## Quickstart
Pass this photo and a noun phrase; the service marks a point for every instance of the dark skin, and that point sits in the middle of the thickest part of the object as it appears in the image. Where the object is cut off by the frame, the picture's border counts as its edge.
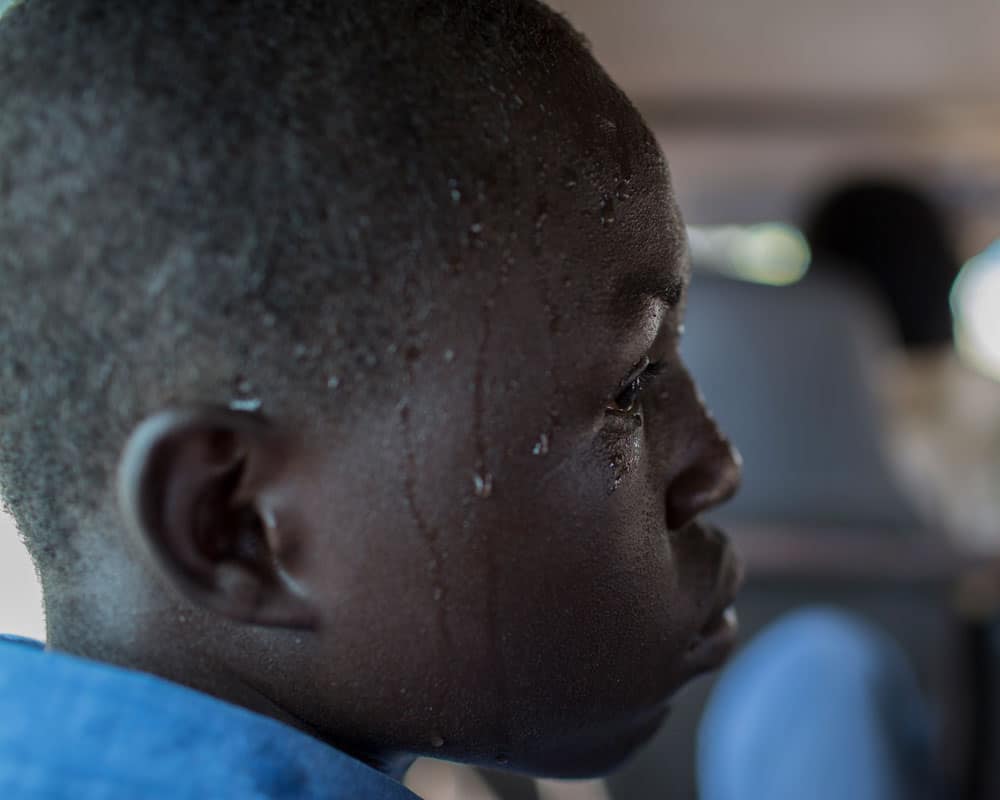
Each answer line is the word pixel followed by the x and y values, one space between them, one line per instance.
pixel 503 567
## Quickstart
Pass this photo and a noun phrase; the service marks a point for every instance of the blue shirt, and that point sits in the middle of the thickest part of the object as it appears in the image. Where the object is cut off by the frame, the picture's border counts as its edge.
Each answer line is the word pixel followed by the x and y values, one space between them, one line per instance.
pixel 82 730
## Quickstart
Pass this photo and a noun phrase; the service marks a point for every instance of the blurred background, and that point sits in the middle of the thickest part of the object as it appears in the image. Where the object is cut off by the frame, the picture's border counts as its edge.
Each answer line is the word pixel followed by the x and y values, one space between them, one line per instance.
pixel 839 168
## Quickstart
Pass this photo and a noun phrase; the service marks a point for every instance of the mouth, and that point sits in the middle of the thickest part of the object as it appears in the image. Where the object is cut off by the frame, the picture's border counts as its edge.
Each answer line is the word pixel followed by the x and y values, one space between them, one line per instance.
pixel 717 637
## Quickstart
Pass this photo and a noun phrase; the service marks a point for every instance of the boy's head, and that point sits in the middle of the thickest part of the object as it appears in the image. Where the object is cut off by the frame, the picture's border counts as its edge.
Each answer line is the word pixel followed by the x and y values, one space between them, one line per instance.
pixel 339 371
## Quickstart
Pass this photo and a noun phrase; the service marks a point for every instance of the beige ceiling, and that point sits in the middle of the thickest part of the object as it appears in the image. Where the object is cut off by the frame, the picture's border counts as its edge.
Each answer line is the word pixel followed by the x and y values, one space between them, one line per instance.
pixel 759 103
pixel 873 48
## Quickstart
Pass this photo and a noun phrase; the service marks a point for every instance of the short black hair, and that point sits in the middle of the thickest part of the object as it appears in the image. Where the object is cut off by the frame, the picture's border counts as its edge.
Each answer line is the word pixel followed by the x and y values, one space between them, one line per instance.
pixel 893 236
pixel 251 202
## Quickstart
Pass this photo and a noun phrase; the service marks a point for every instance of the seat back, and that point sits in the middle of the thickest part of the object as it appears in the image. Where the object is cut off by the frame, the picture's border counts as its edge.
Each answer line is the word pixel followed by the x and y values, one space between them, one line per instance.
pixel 789 372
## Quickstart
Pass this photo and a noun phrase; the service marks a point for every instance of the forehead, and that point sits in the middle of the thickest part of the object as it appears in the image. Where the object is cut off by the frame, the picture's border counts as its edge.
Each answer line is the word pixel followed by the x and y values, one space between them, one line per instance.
pixel 581 195
pixel 655 263
pixel 631 236
pixel 630 244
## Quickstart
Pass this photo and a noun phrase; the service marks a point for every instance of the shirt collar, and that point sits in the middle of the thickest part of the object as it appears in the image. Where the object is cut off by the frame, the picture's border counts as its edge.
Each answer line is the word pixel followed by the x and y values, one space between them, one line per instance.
pixel 83 729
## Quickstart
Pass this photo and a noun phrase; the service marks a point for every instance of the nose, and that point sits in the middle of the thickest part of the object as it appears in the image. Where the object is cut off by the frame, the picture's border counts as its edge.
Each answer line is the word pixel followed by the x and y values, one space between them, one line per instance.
pixel 710 476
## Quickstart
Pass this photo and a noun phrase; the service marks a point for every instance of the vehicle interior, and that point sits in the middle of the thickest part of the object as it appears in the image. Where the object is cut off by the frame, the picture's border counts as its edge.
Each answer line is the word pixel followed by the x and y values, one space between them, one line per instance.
pixel 868 483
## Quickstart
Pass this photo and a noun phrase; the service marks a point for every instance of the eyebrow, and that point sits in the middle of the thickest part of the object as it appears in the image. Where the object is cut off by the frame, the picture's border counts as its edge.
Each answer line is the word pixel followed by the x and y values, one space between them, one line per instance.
pixel 664 279
pixel 670 291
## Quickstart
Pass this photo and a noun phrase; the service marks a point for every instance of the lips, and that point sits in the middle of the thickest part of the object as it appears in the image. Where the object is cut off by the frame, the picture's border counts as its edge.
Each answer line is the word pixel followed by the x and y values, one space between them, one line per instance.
pixel 716 638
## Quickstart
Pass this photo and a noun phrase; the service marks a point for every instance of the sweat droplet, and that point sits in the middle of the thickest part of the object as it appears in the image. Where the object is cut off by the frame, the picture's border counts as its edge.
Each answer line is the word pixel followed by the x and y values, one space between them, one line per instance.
pixel 449 356
pixel 243 386
pixel 456 196
pixel 438 593
pixel 437 741
pixel 333 382
pixel 483 484
pixel 607 210
pixel 476 228
pixel 623 191
pixel 299 351
pixel 541 446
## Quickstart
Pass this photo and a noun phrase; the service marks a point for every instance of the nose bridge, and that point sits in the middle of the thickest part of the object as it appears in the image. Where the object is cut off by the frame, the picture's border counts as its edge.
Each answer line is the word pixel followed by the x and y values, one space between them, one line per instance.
pixel 711 469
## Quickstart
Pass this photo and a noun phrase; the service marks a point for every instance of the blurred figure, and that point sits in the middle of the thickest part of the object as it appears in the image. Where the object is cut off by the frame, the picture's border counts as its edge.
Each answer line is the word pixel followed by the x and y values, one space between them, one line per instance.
pixel 821 706
pixel 944 418
pixel 892 238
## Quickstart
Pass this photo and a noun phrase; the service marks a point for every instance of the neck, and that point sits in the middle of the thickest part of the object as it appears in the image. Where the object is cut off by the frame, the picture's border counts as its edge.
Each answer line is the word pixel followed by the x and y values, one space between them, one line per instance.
pixel 147 639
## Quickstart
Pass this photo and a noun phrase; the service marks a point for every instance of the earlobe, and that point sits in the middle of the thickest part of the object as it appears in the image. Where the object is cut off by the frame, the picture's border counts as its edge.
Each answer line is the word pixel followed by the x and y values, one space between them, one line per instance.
pixel 190 485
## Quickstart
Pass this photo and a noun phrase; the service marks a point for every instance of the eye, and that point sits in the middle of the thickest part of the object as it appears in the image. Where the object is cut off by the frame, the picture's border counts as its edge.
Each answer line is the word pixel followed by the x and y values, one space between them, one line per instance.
pixel 627 399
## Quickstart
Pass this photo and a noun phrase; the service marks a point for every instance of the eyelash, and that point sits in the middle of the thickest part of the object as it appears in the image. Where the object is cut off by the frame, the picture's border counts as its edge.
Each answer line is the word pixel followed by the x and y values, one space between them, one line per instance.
pixel 644 374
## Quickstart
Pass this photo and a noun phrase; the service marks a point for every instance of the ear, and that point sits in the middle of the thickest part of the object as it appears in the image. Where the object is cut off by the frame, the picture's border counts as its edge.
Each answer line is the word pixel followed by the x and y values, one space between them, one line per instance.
pixel 193 486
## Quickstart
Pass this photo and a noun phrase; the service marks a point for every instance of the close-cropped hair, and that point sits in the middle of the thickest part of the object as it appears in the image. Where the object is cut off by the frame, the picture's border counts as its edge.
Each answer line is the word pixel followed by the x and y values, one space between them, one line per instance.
pixel 259 204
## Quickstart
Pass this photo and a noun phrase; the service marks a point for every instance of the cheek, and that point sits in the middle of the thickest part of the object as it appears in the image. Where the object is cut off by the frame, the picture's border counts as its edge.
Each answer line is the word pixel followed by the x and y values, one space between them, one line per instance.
pixel 591 591
pixel 620 449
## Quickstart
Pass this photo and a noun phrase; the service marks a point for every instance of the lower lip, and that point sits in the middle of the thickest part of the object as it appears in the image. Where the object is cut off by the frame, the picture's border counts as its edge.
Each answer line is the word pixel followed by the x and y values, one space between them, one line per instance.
pixel 714 644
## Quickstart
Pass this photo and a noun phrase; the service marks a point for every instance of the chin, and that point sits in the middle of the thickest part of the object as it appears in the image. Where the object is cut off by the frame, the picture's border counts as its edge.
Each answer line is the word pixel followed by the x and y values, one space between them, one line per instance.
pixel 596 753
